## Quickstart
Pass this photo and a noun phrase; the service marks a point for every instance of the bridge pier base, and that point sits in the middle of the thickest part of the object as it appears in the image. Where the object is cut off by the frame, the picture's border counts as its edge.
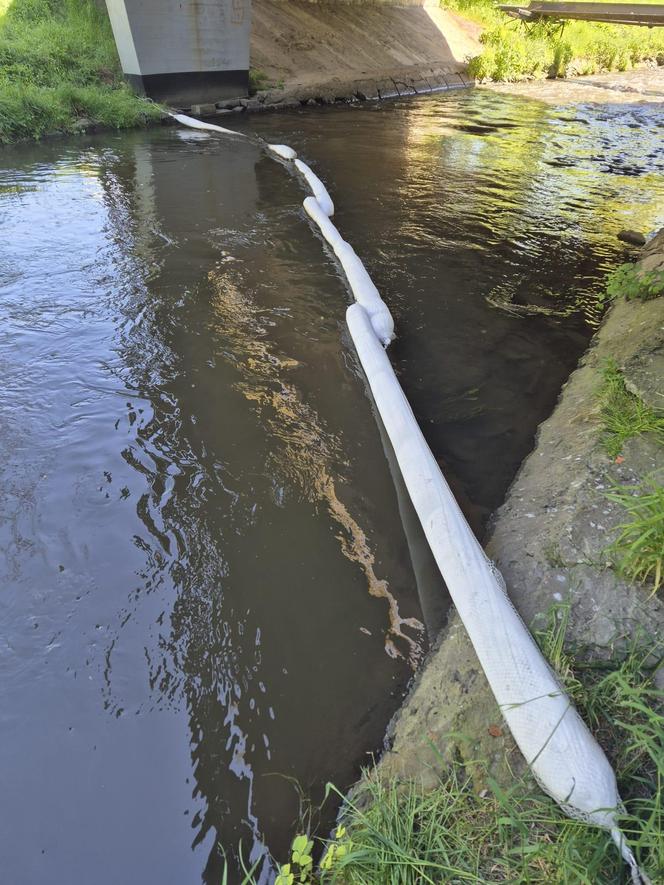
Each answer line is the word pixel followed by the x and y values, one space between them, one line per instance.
pixel 183 52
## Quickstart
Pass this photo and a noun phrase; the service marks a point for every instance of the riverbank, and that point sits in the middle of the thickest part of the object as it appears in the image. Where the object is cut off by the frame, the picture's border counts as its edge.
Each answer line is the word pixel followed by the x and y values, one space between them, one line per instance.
pixel 322 51
pixel 59 72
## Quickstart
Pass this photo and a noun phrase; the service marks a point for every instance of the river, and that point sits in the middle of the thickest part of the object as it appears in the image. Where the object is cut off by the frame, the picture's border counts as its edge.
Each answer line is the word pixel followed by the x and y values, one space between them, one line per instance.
pixel 209 603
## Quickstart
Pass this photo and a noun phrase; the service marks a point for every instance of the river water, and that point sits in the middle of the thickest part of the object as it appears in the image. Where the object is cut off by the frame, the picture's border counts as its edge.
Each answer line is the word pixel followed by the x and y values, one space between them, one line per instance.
pixel 207 594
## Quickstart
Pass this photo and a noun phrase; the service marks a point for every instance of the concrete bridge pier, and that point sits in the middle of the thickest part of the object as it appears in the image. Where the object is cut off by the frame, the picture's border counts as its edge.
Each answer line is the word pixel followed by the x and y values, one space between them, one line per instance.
pixel 183 52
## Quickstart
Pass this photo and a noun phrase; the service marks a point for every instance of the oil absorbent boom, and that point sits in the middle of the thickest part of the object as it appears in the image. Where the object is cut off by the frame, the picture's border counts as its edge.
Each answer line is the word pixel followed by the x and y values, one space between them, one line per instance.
pixel 560 750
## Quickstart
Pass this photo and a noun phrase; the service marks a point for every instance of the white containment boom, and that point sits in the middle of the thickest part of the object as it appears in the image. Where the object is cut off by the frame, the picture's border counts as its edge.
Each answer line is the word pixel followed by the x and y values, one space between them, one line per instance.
pixel 361 284
pixel 556 743
pixel 560 750
pixel 317 187
pixel 193 123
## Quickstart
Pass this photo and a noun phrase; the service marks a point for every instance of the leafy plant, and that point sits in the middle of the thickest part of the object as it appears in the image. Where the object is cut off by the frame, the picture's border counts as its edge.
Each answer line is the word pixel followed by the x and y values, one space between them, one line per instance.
pixel 633 284
pixel 639 547
pixel 624 415
pixel 301 863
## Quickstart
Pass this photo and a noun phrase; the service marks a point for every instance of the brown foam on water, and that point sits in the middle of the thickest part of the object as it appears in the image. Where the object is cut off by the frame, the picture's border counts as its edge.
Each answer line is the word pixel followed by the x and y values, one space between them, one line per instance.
pixel 304 459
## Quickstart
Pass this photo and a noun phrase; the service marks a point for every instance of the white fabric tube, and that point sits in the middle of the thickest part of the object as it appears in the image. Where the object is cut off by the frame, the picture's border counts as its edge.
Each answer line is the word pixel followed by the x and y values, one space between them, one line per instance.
pixel 326 227
pixel 283 151
pixel 193 123
pixel 317 188
pixel 362 287
pixel 560 750
pixel 565 758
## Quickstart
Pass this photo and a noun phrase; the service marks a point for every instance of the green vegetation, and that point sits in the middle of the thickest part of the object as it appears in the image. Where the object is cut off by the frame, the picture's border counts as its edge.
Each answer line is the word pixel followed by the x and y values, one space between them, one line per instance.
pixel 257 80
pixel 514 51
pixel 633 284
pixel 624 414
pixel 638 550
pixel 59 71
pixel 403 835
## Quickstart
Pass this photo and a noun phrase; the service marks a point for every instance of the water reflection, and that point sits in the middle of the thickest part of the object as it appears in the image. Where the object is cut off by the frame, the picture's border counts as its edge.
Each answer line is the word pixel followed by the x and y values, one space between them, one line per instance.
pixel 289 459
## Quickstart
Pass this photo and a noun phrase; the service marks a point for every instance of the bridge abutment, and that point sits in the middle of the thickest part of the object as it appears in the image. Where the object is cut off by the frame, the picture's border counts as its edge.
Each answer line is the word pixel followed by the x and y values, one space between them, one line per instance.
pixel 183 52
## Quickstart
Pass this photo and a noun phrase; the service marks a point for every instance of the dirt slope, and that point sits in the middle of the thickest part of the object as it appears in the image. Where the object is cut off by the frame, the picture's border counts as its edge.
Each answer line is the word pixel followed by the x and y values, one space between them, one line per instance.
pixel 302 44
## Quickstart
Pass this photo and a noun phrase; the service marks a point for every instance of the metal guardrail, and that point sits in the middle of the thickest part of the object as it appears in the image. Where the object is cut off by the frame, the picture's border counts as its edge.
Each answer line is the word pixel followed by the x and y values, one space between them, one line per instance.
pixel 651 15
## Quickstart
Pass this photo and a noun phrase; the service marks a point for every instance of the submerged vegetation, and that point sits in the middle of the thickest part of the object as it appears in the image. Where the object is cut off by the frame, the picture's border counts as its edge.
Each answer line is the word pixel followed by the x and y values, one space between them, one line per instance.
pixel 402 835
pixel 514 51
pixel 59 71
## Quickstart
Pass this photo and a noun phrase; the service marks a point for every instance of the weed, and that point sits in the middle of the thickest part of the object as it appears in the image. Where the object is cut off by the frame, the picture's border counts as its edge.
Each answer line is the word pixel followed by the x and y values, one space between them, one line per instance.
pixel 624 415
pixel 553 556
pixel 633 284
pixel 257 80
pixel 638 549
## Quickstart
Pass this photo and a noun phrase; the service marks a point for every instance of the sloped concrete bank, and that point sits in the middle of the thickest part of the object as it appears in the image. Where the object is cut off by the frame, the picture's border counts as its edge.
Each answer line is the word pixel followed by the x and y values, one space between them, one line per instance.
pixel 549 540
pixel 322 52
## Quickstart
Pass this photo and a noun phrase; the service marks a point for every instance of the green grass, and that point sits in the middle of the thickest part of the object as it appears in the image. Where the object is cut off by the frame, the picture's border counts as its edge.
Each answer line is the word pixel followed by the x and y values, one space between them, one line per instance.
pixel 630 282
pixel 257 80
pixel 623 414
pixel 638 550
pixel 518 835
pixel 513 51
pixel 403 835
pixel 59 70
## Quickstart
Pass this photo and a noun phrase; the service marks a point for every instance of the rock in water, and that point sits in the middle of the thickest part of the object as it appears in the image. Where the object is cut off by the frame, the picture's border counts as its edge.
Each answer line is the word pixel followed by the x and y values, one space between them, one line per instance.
pixel 633 237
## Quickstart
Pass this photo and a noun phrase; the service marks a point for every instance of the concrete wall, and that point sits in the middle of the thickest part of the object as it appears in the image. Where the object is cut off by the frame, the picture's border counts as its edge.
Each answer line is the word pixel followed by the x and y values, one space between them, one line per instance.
pixel 183 51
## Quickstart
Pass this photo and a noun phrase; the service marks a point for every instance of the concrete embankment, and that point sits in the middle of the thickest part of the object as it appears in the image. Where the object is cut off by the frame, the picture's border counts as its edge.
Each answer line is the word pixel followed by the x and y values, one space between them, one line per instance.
pixel 322 52
pixel 549 540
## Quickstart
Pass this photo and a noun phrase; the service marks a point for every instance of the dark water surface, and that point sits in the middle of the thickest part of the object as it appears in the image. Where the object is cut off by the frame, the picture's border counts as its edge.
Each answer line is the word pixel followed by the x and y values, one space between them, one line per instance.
pixel 205 585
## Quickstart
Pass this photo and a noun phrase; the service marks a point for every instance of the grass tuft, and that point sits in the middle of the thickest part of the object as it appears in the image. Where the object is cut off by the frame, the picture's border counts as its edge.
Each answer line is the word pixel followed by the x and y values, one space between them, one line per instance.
pixel 624 415
pixel 638 550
